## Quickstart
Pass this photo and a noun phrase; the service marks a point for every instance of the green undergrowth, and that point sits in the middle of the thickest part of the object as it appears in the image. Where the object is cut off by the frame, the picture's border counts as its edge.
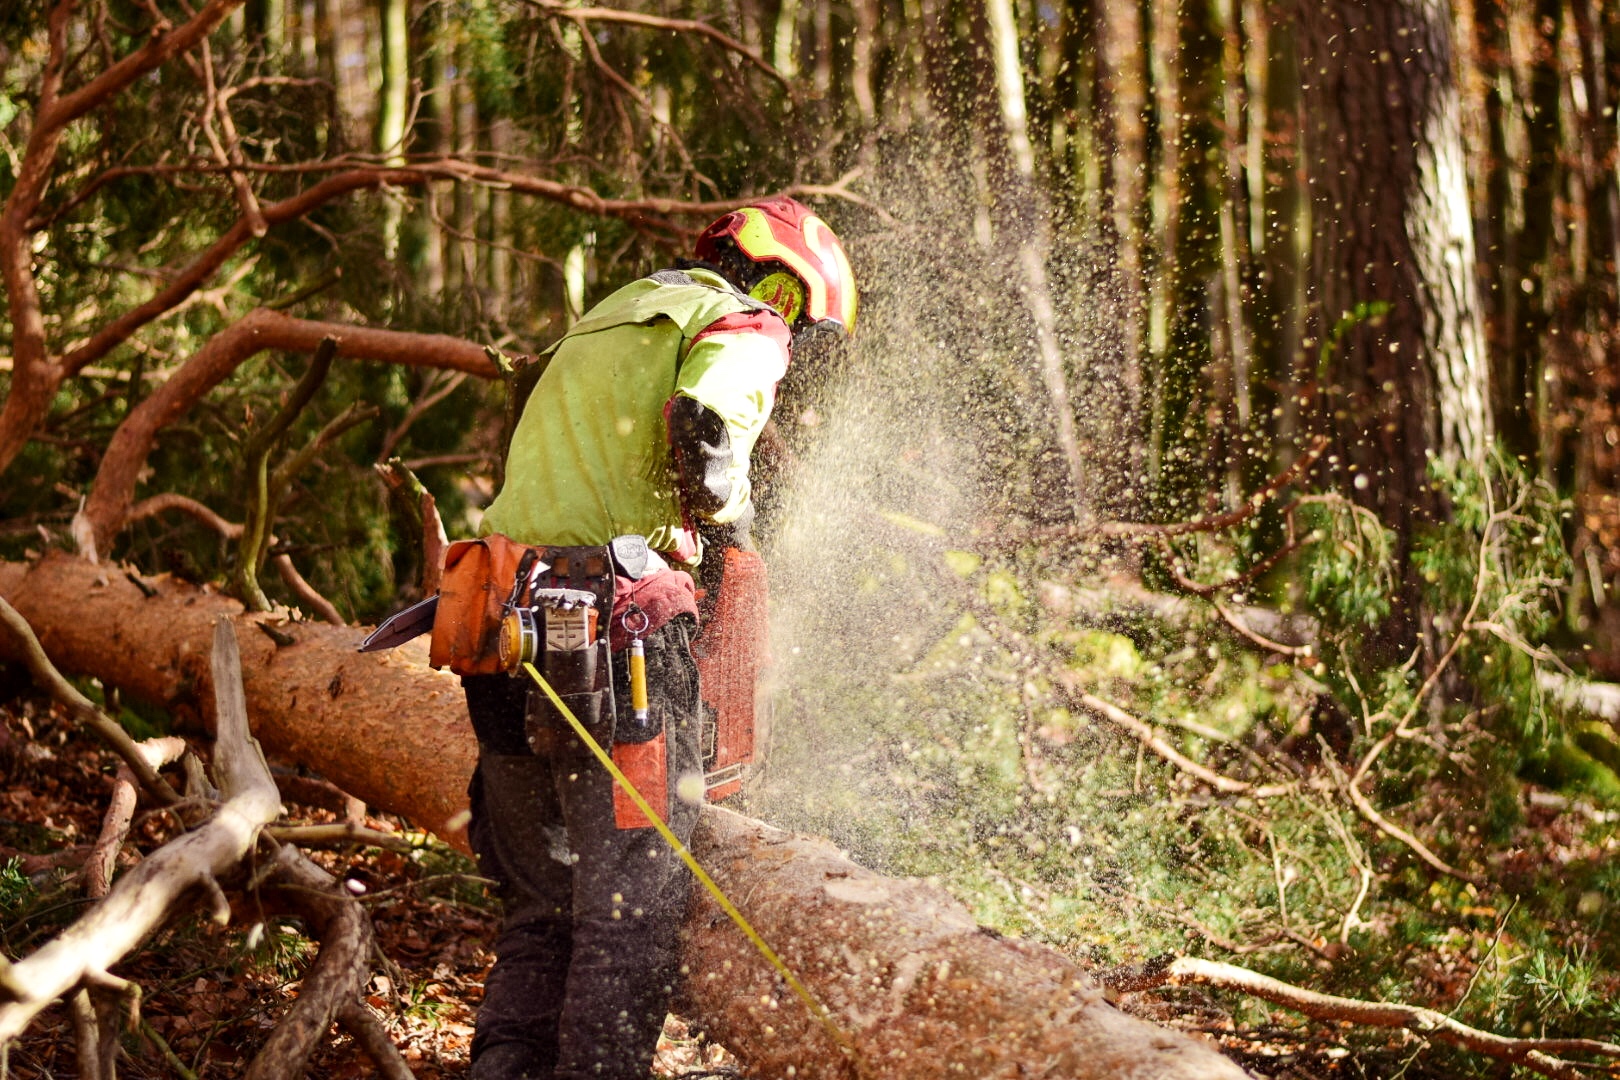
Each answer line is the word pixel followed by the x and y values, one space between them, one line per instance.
pixel 970 759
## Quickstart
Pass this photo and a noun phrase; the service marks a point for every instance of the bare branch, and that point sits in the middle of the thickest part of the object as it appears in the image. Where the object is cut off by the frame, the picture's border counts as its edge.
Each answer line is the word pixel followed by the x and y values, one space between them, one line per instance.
pixel 143 898
pixel 368 1033
pixel 1143 733
pixel 342 834
pixel 333 981
pixel 635 94
pixel 435 391
pixel 35 375
pixel 1418 847
pixel 229 151
pixel 1243 629
pixel 99 865
pixel 419 508
pixel 203 268
pixel 107 509
pixel 170 500
pixel 306 592
pixel 677 26
pixel 1599 699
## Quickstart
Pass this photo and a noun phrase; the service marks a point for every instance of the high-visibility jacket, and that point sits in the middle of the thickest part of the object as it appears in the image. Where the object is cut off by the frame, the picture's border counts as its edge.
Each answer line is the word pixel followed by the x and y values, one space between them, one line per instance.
pixel 591 456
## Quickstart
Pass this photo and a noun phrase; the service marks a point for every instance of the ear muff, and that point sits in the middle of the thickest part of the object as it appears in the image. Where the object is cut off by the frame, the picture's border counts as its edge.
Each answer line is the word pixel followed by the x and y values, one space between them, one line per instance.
pixel 782 291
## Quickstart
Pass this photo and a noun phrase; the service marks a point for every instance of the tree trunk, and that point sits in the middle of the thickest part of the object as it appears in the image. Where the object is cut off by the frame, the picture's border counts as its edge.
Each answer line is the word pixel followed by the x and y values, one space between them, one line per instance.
pixel 361 720
pixel 1120 113
pixel 911 983
pixel 1403 369
pixel 1026 222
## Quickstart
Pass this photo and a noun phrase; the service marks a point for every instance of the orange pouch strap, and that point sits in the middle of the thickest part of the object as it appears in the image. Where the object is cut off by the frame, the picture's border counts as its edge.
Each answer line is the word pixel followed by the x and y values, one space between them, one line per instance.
pixel 644 765
pixel 478 576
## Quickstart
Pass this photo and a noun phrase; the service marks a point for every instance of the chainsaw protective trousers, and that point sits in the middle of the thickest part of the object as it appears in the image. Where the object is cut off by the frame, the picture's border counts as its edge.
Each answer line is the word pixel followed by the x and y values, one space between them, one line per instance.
pixel 586 956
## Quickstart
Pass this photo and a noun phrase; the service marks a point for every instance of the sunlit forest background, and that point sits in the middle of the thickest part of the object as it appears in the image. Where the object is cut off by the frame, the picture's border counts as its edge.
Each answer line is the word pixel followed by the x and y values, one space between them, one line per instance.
pixel 1207 543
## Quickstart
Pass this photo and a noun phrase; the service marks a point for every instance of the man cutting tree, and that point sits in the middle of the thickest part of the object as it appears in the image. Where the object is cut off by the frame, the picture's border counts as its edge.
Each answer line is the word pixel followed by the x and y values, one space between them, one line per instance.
pixel 630 458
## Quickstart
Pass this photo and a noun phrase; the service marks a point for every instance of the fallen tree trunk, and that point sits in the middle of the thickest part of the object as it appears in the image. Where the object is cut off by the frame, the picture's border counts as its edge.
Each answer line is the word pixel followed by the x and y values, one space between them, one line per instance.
pixel 913 985
pixel 385 727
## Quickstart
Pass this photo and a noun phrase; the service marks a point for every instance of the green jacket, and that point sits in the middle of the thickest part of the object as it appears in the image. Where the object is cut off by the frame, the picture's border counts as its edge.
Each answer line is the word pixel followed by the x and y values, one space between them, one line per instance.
pixel 591 457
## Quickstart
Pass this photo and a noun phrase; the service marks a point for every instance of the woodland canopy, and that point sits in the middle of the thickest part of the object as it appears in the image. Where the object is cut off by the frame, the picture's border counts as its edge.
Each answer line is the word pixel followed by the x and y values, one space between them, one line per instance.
pixel 1202 555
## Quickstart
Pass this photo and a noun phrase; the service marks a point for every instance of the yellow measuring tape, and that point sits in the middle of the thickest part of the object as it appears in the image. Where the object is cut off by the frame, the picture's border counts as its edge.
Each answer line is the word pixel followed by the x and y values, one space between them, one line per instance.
pixel 817 1010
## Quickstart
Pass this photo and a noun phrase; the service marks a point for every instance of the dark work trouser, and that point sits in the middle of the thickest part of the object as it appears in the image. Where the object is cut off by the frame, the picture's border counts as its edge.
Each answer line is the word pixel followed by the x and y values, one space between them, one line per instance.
pixel 586 957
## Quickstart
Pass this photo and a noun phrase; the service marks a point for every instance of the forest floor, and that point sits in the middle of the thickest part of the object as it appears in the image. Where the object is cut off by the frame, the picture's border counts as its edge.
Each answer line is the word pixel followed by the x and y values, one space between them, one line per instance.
pixel 211 994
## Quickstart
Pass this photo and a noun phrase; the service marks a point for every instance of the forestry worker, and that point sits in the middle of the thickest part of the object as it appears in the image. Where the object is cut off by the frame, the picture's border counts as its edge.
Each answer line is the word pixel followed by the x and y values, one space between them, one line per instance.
pixel 641 425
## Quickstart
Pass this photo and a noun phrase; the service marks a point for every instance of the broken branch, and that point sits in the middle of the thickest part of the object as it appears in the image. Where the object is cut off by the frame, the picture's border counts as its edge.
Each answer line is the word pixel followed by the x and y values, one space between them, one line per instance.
pixel 103 857
pixel 1534 1054
pixel 333 981
pixel 143 899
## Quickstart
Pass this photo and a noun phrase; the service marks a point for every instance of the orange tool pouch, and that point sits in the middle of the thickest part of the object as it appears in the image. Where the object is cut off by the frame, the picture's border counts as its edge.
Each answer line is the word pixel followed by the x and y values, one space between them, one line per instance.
pixel 644 764
pixel 478 576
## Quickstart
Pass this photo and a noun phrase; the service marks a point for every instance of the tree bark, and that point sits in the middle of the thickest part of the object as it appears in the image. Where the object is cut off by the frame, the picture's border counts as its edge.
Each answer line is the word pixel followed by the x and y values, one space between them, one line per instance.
pixel 1026 221
pixel 1120 113
pixel 912 984
pixel 1403 363
pixel 915 987
pixel 360 719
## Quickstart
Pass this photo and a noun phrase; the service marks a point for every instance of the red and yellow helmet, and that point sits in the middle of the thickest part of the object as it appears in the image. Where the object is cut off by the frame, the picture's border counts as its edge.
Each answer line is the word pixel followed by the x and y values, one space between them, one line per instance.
pixel 785 255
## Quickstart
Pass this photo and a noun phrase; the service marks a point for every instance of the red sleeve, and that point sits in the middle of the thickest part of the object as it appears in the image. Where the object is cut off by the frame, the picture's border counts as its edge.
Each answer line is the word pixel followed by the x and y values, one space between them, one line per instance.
pixel 763 321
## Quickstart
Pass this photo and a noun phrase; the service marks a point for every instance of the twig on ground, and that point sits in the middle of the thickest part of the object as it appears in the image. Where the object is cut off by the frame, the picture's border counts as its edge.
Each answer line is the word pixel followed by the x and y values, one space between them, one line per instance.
pixel 1300 652
pixel 1150 739
pixel 1419 848
pixel 152 1036
pixel 1538 1055
pixel 344 833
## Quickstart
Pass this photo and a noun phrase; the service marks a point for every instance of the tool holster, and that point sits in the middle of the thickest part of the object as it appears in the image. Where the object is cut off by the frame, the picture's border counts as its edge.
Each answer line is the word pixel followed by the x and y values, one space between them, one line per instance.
pixel 569 593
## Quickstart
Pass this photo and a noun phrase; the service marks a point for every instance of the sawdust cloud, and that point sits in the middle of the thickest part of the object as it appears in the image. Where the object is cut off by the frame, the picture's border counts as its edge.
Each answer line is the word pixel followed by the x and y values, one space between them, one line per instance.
pixel 914 446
